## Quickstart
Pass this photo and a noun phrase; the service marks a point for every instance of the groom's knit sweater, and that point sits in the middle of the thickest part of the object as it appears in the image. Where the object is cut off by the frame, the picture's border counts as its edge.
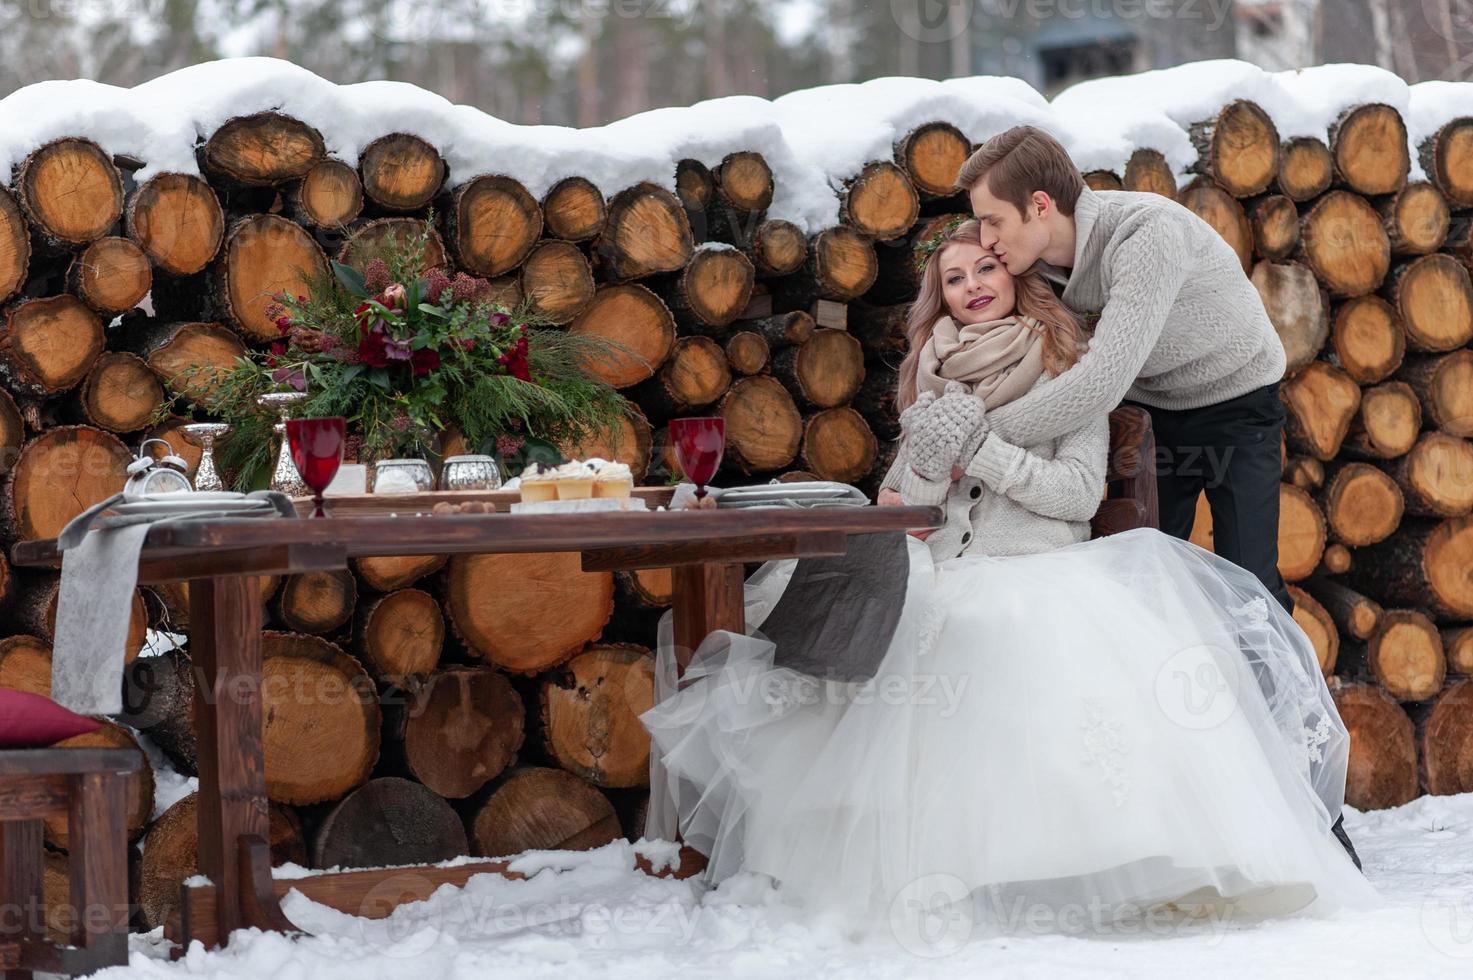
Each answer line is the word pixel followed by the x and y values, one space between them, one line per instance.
pixel 1180 324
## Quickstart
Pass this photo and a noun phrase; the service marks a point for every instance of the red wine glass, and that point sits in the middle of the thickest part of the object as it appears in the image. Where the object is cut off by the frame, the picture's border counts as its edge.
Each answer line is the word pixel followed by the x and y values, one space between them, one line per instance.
pixel 317 451
pixel 699 443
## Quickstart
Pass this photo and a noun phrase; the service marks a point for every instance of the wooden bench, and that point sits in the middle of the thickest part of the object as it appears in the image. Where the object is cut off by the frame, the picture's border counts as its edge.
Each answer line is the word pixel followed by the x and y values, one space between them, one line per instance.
pixel 1131 499
pixel 88 787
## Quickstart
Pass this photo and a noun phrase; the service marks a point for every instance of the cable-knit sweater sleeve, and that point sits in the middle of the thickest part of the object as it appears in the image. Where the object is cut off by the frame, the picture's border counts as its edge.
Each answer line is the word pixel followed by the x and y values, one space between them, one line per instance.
pixel 1142 269
pixel 1067 487
pixel 893 474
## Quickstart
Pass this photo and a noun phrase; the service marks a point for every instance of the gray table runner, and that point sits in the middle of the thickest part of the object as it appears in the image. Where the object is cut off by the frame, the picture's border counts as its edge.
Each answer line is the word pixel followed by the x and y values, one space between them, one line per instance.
pixel 838 613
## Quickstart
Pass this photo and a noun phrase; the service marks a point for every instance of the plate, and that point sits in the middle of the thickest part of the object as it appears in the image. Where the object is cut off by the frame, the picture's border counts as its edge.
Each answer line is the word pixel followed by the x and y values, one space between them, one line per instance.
pixel 189 503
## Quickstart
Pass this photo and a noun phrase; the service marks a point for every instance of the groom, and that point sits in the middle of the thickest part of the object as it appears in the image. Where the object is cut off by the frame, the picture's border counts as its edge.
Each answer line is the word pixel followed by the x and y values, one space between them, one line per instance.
pixel 1182 333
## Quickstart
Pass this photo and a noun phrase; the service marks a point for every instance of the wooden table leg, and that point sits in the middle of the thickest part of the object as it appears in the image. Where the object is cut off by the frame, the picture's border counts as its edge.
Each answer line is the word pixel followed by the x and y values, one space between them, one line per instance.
pixel 22 908
pixel 225 646
pixel 705 597
pixel 97 836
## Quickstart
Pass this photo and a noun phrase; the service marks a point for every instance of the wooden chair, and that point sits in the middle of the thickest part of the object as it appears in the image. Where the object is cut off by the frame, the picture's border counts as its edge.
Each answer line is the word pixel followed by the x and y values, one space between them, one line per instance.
pixel 1130 499
pixel 89 787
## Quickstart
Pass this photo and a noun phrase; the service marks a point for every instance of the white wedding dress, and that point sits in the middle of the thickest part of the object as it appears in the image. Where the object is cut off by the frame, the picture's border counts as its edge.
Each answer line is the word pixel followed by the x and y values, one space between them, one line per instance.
pixel 1128 721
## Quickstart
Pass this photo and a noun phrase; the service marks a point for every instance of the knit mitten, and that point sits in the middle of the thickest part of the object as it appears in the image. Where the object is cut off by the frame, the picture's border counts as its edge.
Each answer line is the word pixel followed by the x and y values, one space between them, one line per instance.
pixel 917 409
pixel 938 436
pixel 973 442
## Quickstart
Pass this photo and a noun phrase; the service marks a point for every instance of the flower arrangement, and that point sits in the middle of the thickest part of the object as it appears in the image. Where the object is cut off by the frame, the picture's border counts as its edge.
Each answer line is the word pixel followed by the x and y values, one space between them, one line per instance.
pixel 404 355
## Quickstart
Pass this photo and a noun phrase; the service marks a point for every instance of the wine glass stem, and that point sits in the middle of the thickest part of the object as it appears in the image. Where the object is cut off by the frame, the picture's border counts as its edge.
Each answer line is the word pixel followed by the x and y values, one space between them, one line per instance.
pixel 700 490
pixel 320 511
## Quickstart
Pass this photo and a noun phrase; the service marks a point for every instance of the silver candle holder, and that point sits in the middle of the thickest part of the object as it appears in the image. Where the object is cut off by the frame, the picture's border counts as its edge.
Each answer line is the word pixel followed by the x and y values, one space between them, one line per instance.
pixel 203 435
pixel 285 478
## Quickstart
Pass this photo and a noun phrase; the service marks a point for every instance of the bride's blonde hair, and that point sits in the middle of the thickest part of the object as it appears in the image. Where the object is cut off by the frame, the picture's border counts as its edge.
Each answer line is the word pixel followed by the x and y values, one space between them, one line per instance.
pixel 1063 331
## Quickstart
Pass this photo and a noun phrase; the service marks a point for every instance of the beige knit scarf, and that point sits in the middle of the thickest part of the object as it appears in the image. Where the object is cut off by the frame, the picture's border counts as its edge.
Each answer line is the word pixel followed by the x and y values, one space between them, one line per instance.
pixel 1000 360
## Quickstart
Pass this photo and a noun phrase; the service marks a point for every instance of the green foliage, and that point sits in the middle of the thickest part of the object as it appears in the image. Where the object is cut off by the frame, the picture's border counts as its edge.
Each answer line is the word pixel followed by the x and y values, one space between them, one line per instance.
pixel 402 355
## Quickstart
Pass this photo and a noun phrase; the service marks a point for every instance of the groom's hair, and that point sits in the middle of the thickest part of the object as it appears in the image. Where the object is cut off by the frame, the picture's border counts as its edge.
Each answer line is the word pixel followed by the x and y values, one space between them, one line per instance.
pixel 1020 161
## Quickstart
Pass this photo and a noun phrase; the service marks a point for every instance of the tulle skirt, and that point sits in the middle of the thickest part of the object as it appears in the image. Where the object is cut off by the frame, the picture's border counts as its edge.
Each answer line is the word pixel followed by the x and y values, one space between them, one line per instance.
pixel 1122 723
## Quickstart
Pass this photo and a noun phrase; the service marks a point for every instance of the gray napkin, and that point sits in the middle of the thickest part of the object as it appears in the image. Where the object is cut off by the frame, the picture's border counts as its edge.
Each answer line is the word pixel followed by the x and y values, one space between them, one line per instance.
pixel 99 571
pixel 838 612
pixel 95 603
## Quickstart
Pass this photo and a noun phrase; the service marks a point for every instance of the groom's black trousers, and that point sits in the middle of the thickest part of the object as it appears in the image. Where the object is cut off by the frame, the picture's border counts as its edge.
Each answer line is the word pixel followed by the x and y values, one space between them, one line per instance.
pixel 1230 450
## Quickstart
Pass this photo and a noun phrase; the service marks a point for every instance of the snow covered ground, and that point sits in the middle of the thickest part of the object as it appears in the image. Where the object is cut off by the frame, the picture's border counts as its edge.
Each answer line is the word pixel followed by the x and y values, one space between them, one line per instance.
pixel 592 914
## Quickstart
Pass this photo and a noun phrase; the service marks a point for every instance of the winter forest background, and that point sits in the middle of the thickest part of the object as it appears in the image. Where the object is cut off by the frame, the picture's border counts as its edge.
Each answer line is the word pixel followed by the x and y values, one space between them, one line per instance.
pixel 588 62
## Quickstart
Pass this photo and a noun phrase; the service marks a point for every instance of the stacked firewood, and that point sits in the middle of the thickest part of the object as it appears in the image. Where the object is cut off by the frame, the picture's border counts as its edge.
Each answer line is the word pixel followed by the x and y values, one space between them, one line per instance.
pixel 418 708
pixel 1365 274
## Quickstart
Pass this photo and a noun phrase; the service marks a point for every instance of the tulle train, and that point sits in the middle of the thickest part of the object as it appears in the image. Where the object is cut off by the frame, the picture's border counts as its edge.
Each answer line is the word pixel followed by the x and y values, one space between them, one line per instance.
pixel 1120 723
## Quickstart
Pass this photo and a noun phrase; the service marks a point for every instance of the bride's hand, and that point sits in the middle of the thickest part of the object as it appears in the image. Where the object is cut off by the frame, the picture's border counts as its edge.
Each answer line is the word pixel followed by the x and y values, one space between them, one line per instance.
pixel 891 498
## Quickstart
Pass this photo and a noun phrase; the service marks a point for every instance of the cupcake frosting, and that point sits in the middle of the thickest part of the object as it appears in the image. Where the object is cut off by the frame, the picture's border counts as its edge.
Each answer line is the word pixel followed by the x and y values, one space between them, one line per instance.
pixel 575 468
pixel 537 471
pixel 615 471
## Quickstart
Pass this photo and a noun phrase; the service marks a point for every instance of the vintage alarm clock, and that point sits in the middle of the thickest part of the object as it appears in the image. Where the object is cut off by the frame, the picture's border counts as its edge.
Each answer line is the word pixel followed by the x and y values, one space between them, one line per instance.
pixel 147 475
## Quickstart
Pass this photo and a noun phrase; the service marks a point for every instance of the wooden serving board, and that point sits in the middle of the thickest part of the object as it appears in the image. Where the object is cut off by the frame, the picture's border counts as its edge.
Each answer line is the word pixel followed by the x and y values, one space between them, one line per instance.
pixel 424 503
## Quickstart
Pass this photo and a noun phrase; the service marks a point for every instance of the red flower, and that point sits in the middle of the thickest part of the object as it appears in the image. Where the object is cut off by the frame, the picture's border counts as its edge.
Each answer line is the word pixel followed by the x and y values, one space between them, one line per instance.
pixel 372 350
pixel 468 343
pixel 515 361
pixel 278 348
pixel 423 361
pixel 283 324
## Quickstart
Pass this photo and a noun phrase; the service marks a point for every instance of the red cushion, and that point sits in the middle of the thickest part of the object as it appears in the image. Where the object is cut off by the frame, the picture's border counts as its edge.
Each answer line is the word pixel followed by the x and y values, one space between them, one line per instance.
pixel 29 721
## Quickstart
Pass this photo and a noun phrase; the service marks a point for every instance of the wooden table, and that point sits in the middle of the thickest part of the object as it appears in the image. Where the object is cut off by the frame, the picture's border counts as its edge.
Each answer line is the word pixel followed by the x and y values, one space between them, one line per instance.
pixel 221 558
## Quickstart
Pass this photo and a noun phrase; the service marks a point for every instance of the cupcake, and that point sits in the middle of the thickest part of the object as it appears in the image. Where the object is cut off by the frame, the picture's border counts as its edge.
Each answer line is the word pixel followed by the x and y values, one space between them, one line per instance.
pixel 574 481
pixel 613 480
pixel 537 483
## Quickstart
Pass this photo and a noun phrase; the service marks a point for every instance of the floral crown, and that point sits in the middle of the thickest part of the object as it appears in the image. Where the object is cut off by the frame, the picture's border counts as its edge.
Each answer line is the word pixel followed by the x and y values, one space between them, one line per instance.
pixel 927 248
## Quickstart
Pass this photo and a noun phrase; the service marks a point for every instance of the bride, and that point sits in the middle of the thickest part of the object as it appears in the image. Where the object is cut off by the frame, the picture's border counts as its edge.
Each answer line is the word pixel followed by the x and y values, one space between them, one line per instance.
pixel 1078 730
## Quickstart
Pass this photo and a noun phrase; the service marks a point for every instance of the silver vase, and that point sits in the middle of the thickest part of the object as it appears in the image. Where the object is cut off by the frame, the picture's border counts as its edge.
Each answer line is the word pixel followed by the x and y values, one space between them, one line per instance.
pixel 285 478
pixel 469 472
pixel 203 435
